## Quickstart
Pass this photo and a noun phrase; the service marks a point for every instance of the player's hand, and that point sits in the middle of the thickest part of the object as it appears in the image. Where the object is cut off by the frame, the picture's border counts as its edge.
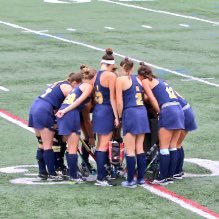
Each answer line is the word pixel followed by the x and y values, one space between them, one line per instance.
pixel 60 114
pixel 116 122
pixel 92 142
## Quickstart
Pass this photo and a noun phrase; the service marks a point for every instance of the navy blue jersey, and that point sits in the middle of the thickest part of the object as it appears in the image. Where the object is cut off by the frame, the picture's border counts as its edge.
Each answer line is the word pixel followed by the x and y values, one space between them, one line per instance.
pixel 183 102
pixel 54 94
pixel 102 94
pixel 164 93
pixel 133 96
pixel 70 122
pixel 72 96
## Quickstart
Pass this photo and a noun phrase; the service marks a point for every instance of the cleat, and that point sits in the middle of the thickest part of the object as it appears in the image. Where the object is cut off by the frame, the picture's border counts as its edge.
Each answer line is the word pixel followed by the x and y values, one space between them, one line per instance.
pixel 62 172
pixel 178 176
pixel 87 169
pixel 161 182
pixel 170 180
pixel 141 182
pixel 104 183
pixel 129 184
pixel 52 178
pixel 77 181
pixel 42 176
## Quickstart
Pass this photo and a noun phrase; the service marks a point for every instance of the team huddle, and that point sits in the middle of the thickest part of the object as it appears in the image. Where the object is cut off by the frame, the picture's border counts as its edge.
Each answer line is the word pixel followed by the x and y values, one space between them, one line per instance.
pixel 116 100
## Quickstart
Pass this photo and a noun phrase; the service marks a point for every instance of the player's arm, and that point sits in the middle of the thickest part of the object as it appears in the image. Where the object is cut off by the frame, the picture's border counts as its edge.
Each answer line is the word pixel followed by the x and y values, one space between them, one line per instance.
pixel 87 90
pixel 87 123
pixel 119 100
pixel 66 89
pixel 112 88
pixel 150 95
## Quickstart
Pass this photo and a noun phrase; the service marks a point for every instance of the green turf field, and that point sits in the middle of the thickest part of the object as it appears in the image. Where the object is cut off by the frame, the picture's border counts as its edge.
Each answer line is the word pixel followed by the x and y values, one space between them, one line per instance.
pixel 29 61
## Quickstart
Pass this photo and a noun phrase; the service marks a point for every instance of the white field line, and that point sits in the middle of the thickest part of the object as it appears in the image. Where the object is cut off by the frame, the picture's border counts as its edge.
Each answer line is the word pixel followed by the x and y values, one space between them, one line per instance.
pixel 158 190
pixel 100 49
pixel 41 31
pixel 184 25
pixel 162 12
pixel 110 28
pixel 71 29
pixel 55 1
pixel 146 26
pixel 136 0
pixel 182 202
pixel 189 79
pixel 15 120
pixel 4 88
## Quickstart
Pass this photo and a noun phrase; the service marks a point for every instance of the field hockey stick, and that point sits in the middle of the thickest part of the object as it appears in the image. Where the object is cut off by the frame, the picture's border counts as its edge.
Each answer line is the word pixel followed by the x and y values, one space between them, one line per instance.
pixel 87 148
pixel 149 165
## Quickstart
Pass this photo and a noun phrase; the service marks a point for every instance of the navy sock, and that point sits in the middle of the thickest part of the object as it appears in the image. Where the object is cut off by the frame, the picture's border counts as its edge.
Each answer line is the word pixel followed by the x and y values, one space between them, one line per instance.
pixel 173 162
pixel 48 156
pixel 101 159
pixel 72 164
pixel 179 167
pixel 41 163
pixel 164 165
pixel 141 163
pixel 130 162
pixel 66 156
pixel 85 154
pixel 57 161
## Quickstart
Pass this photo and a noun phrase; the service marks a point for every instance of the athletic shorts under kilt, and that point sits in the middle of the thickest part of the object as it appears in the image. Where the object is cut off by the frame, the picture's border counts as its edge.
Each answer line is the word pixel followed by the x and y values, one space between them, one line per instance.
pixel 41 115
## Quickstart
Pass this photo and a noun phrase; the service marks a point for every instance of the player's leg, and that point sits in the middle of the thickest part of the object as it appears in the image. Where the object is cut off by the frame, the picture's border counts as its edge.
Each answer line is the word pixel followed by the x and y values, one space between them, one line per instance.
pixel 72 157
pixel 141 158
pixel 39 156
pixel 129 141
pixel 173 154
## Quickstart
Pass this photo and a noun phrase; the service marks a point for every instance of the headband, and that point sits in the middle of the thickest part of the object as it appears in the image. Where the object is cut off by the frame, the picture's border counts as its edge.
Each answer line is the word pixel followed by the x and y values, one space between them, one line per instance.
pixel 110 62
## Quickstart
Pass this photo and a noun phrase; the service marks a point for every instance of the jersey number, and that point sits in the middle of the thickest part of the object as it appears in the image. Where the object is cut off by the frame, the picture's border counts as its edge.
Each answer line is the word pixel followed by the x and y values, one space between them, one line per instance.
pixel 98 97
pixel 70 99
pixel 139 100
pixel 48 90
pixel 171 93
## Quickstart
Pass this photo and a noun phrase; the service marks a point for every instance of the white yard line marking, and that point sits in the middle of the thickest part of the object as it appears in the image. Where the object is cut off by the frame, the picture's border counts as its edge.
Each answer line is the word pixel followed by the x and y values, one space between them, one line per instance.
pixel 158 190
pixel 136 0
pixel 40 31
pixel 16 120
pixel 190 79
pixel 109 28
pixel 4 88
pixel 146 26
pixel 184 25
pixel 183 202
pixel 162 12
pixel 71 29
pixel 100 49
pixel 55 1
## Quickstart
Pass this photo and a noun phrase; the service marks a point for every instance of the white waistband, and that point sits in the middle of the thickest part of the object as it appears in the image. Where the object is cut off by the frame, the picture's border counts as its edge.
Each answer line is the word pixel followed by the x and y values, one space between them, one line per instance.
pixel 170 104
pixel 187 106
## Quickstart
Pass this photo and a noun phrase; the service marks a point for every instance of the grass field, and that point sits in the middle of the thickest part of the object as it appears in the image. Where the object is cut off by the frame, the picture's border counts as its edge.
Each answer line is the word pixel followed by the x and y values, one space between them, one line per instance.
pixel 31 60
